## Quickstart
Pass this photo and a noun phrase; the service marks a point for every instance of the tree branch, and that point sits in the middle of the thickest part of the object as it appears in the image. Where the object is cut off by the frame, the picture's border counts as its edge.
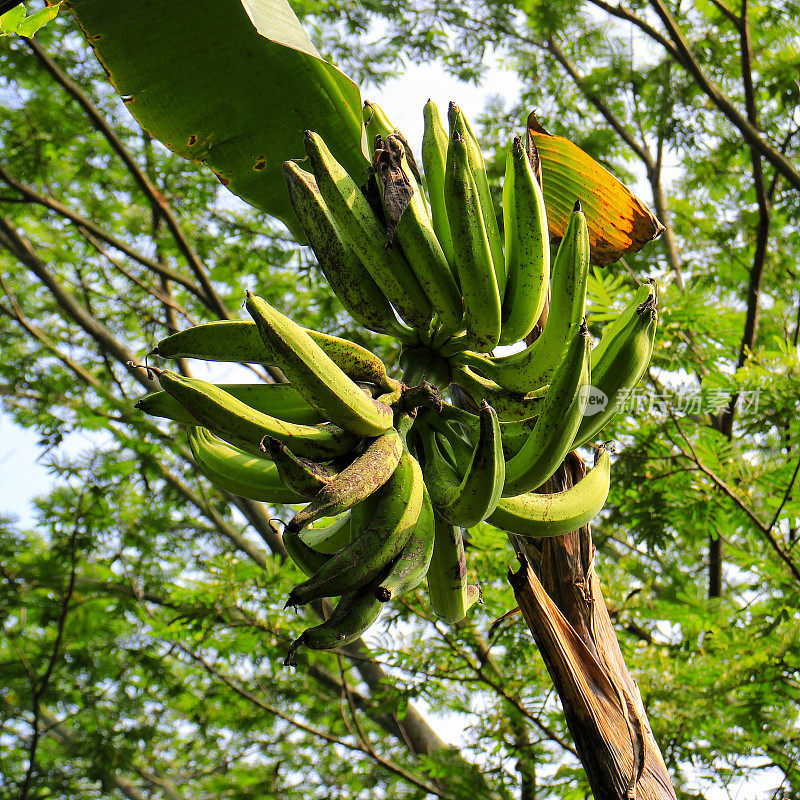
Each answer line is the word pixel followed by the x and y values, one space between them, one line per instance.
pixel 95 329
pixel 30 195
pixel 714 93
pixel 138 175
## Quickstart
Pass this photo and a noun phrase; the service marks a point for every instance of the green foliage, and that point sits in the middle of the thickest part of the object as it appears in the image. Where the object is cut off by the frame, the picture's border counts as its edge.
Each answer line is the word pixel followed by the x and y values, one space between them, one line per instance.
pixel 167 673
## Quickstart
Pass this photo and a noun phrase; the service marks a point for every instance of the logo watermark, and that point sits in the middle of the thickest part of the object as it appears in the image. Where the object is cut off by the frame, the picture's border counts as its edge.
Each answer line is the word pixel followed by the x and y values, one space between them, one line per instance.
pixel 680 401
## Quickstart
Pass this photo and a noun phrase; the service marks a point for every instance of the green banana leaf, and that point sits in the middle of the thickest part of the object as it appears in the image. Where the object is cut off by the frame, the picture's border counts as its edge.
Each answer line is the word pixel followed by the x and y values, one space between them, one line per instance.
pixel 229 83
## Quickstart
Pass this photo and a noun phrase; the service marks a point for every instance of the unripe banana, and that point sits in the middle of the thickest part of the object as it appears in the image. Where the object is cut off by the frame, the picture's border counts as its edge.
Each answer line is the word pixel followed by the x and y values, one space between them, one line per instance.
pixel 306 558
pixel 509 405
pixel 434 160
pixel 279 400
pixel 330 538
pixel 378 126
pixel 450 595
pixel 412 564
pixel 514 433
pixel 620 368
pixel 239 341
pixel 243 426
pixel 527 250
pixel 420 246
pixel 559 420
pixel 378 545
pixel 365 234
pixel 554 514
pixel 459 124
pixel 315 376
pixel 469 500
pixel 647 290
pixel 471 250
pixel 351 282
pixel 302 475
pixel 534 367
pixel 354 613
pixel 354 483
pixel 233 470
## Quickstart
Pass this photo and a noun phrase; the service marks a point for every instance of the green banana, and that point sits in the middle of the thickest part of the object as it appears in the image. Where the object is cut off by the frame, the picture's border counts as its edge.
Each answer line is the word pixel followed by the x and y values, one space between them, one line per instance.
pixel 377 546
pixel 412 565
pixel 279 400
pixel 534 366
pixel 329 538
pixel 514 433
pixel 306 558
pixel 356 289
pixel 324 385
pixel 559 420
pixel 239 341
pixel 364 233
pixel 554 514
pixel 238 472
pixel 434 159
pixel 619 369
pixel 450 595
pixel 477 167
pixel 233 420
pixel 354 613
pixel 469 500
pixel 420 246
pixel 643 293
pixel 304 476
pixel 356 482
pixel 527 250
pixel 471 250
pixel 508 404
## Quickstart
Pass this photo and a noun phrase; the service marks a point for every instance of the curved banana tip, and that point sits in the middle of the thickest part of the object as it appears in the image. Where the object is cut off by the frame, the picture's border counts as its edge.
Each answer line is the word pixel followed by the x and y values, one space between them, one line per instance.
pixel 383 594
pixel 290 660
pixel 290 601
pixel 577 207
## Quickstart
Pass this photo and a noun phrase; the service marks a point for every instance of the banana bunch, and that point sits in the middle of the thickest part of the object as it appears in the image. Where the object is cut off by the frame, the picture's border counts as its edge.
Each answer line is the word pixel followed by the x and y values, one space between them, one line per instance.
pixel 389 474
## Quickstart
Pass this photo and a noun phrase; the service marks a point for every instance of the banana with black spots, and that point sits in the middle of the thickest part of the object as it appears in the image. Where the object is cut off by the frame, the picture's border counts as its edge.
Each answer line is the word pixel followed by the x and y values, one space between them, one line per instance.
pixel 527 250
pixel 471 250
pixel 238 423
pixel 279 400
pixel 240 342
pixel 534 366
pixel 364 233
pixel 412 564
pixel 303 475
pixel 324 385
pixel 477 167
pixel 538 515
pixel 376 547
pixel 355 287
pixel 450 594
pixel 418 241
pixel 354 483
pixel 354 613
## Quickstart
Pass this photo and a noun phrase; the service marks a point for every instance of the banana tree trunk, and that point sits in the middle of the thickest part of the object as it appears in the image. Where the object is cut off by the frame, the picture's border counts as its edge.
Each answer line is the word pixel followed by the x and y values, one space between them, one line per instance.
pixel 560 598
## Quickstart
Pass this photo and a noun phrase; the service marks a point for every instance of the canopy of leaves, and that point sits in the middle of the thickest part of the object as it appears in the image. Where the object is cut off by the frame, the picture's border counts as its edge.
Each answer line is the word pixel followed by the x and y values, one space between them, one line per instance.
pixel 142 622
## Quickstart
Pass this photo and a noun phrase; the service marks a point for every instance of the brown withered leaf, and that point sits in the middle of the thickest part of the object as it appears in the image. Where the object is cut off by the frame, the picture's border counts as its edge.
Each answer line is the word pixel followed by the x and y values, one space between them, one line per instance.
pixel 618 221
pixel 397 189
